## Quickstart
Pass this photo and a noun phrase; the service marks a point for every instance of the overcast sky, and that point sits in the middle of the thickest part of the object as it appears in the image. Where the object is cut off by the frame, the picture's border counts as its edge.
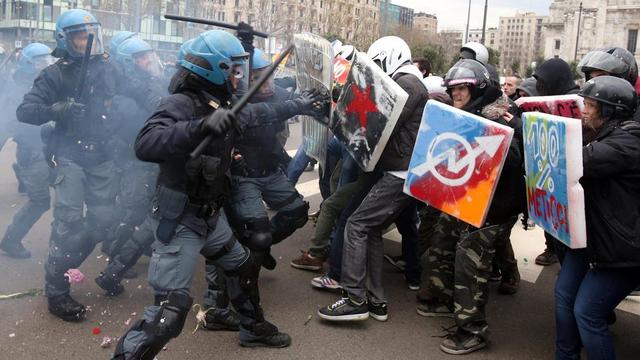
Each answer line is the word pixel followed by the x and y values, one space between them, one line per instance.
pixel 452 14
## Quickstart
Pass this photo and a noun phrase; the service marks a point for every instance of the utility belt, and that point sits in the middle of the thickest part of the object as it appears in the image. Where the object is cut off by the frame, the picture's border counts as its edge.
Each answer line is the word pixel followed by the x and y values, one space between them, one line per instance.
pixel 170 206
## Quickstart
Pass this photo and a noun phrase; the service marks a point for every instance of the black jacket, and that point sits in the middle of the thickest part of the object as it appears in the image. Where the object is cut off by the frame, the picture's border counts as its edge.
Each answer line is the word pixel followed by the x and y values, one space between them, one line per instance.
pixel 611 183
pixel 556 78
pixel 509 198
pixel 397 153
pixel 58 82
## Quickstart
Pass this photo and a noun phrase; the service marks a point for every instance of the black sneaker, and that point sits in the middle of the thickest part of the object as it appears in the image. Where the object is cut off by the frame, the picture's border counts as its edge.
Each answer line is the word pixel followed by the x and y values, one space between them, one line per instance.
pixel 462 342
pixel 110 284
pixel 378 311
pixel 345 309
pixel 264 334
pixel 434 309
pixel 66 308
pixel 15 250
pixel 222 321
pixel 548 257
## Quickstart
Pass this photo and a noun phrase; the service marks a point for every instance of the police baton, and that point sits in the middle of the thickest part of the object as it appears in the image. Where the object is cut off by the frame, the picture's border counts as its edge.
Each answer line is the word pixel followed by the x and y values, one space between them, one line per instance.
pixel 245 99
pixel 211 22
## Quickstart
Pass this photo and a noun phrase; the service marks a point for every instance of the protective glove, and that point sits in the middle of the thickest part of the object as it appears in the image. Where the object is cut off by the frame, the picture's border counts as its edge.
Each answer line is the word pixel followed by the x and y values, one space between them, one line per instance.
pixel 313 102
pixel 68 111
pixel 218 123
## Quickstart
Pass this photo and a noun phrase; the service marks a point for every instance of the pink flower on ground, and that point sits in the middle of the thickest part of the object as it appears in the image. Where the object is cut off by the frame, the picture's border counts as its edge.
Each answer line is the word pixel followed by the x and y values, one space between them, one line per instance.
pixel 74 276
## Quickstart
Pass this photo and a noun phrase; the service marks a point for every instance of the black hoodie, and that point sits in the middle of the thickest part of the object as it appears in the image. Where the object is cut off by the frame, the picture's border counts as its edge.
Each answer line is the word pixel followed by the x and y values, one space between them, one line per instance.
pixel 555 77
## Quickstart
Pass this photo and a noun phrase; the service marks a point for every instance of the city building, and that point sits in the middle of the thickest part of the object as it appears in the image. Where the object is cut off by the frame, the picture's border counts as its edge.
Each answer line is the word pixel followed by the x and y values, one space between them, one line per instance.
pixel 520 42
pixel 426 25
pixel 602 23
pixel 352 21
pixel 394 18
pixel 491 35
pixel 26 21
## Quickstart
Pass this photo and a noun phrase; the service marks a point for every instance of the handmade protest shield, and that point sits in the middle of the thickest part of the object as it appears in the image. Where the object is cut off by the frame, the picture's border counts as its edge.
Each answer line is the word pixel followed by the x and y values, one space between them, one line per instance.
pixel 562 105
pixel 341 67
pixel 457 161
pixel 367 111
pixel 553 163
pixel 314 70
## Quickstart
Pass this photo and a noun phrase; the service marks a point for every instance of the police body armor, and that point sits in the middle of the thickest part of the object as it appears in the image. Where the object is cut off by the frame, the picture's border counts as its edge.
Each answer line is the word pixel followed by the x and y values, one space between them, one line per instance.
pixel 191 193
pixel 86 142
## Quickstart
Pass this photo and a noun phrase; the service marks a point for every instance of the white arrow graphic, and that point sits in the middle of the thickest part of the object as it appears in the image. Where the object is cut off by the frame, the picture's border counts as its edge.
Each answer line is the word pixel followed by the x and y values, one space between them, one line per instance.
pixel 486 144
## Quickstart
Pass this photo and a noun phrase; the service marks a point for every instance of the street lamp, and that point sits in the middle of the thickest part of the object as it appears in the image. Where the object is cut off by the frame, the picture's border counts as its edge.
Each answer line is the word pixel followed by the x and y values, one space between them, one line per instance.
pixel 466 37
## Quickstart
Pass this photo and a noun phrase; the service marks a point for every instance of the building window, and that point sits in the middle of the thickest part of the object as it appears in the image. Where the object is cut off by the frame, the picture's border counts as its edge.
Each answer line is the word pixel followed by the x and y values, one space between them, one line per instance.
pixel 632 42
pixel 557 45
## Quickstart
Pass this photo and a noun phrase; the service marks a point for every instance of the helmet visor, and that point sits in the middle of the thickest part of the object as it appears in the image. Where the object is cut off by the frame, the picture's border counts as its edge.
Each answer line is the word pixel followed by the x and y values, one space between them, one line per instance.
pixel 601 60
pixel 266 90
pixel 41 62
pixel 149 62
pixel 77 37
pixel 459 75
pixel 239 71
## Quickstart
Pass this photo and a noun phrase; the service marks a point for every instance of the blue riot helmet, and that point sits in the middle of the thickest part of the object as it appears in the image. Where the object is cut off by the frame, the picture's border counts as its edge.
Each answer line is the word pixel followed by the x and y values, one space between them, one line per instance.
pixel 135 54
pixel 183 49
pixel 33 58
pixel 259 64
pixel 118 38
pixel 72 31
pixel 223 53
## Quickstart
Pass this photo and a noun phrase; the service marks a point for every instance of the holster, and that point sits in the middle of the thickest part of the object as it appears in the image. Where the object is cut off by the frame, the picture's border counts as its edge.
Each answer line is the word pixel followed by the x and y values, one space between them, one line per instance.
pixel 168 207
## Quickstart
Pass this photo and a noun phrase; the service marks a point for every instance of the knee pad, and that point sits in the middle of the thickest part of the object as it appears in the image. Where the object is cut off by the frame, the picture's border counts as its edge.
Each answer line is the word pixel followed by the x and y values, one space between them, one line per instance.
pixel 257 235
pixel 167 324
pixel 284 223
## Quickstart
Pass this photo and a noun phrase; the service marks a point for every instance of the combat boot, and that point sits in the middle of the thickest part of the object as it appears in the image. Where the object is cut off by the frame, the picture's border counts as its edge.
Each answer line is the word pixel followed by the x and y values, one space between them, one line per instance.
pixel 263 334
pixel 14 249
pixel 110 284
pixel 222 320
pixel 66 308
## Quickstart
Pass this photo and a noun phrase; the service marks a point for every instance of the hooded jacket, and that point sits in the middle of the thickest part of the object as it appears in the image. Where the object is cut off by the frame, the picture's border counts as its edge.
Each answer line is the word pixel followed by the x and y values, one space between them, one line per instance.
pixel 611 183
pixel 556 78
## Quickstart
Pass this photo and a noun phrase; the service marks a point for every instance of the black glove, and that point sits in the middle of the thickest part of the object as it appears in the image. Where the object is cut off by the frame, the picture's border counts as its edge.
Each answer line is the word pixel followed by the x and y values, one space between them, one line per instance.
pixel 313 102
pixel 68 111
pixel 218 123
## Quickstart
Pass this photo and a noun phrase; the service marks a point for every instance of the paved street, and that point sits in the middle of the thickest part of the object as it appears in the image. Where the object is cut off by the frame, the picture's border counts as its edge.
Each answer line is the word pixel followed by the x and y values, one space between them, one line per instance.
pixel 522 324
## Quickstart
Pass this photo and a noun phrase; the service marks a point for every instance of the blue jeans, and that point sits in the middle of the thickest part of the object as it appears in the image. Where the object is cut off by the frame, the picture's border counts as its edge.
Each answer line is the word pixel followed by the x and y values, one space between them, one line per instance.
pixel 297 165
pixel 585 297
pixel 348 170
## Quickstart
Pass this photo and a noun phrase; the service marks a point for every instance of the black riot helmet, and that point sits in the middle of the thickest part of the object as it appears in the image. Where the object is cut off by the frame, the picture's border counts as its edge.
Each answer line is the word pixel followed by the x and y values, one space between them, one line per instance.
pixel 470 73
pixel 616 61
pixel 617 96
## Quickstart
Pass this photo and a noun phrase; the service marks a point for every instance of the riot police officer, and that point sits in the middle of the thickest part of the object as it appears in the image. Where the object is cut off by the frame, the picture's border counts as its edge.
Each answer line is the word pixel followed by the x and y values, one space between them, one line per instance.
pixel 138 61
pixel 31 169
pixel 261 178
pixel 80 147
pixel 187 209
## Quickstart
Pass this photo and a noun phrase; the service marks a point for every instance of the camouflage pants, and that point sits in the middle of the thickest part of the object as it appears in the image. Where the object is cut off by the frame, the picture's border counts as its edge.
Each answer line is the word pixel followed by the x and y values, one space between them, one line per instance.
pixel 458 268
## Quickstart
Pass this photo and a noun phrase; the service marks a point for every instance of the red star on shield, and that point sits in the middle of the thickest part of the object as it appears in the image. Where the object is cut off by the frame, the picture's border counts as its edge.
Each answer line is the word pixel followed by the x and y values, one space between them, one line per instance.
pixel 361 103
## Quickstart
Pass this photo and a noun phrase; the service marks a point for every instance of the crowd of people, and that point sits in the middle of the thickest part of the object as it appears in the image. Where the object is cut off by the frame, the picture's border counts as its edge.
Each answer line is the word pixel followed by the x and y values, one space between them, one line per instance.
pixel 114 134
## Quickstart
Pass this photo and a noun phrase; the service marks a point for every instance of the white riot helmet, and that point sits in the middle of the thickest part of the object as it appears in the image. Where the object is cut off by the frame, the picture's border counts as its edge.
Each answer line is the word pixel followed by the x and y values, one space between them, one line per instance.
pixel 347 52
pixel 336 44
pixel 476 51
pixel 390 53
pixel 434 84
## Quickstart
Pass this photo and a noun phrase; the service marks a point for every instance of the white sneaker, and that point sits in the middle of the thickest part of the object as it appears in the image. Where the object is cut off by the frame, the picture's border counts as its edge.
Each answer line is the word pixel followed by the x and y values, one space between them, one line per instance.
pixel 326 283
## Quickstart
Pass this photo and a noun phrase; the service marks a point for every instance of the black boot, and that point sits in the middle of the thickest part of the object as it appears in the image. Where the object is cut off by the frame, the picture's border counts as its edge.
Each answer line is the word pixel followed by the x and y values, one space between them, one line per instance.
pixel 263 334
pixel 14 249
pixel 222 321
pixel 66 308
pixel 109 279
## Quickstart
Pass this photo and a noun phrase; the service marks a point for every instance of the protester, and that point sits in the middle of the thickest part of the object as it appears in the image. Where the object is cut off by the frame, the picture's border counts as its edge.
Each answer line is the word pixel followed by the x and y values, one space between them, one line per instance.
pixel 593 281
